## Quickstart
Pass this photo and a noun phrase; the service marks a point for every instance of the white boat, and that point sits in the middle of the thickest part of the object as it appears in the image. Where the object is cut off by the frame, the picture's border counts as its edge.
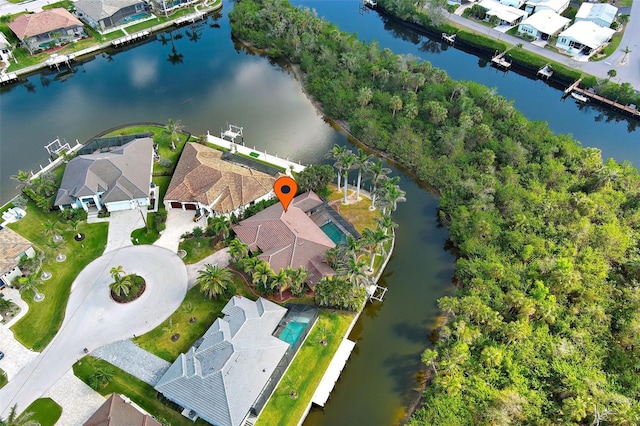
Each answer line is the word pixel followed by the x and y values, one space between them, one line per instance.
pixel 579 97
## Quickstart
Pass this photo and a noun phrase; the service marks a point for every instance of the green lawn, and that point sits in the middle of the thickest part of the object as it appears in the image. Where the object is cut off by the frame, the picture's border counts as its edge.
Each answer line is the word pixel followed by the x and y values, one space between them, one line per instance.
pixel 197 248
pixel 306 371
pixel 3 378
pixel 135 389
pixel 45 411
pixel 149 234
pixel 44 318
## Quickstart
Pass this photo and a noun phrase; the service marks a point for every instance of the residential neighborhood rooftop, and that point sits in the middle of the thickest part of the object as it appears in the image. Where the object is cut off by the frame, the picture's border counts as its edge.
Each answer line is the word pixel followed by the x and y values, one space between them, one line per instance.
pixel 32 24
pixel 117 412
pixel 221 377
pixel 12 245
pixel 546 21
pixel 588 34
pixel 593 11
pixel 503 12
pixel 100 9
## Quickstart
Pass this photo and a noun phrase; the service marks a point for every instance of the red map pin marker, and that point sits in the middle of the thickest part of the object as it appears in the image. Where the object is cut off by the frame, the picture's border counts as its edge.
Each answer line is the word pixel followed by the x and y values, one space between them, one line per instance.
pixel 285 189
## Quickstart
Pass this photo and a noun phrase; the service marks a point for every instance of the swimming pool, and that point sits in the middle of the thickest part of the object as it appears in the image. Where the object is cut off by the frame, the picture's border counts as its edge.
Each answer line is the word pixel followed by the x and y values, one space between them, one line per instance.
pixel 293 330
pixel 333 232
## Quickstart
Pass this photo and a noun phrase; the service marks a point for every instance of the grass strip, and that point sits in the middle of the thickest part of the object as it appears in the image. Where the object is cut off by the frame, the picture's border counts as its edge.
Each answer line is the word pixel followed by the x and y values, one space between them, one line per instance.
pixel 45 411
pixel 306 371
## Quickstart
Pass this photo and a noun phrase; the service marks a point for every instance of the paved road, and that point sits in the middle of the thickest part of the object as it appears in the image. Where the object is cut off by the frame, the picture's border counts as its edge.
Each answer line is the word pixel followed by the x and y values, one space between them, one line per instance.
pixel 92 319
pixel 628 72
pixel 7 8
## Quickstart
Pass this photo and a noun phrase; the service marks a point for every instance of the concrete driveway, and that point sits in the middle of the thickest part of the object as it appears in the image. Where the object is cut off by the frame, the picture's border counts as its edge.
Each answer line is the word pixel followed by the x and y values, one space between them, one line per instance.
pixel 92 319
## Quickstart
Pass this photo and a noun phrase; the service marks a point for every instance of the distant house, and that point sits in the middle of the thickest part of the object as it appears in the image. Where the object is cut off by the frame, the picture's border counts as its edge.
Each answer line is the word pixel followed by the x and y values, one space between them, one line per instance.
pixel 106 14
pixel 543 24
pixel 13 247
pixel 169 6
pixel 203 180
pixel 220 378
pixel 535 6
pixel 583 37
pixel 46 29
pixel 507 15
pixel 602 14
pixel 118 179
pixel 117 411
pixel 5 50
pixel 295 238
pixel 512 3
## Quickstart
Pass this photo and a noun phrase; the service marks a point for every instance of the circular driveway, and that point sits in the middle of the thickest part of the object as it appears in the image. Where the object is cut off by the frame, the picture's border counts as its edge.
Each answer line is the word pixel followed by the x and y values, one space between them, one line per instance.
pixel 92 319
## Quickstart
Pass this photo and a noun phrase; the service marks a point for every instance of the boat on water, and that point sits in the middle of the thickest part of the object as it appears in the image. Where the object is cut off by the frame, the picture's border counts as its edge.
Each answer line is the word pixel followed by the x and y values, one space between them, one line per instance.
pixel 579 97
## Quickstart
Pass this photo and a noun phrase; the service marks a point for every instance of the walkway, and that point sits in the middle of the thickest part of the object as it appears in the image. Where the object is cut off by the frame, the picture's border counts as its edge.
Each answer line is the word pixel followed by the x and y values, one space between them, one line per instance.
pixel 134 360
pixel 220 258
pixel 121 225
pixel 78 401
pixel 178 222
pixel 92 319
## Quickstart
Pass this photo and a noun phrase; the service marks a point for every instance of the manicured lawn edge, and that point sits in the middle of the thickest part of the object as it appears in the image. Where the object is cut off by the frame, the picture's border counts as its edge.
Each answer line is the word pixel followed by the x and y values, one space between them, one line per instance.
pixel 306 370
pixel 45 411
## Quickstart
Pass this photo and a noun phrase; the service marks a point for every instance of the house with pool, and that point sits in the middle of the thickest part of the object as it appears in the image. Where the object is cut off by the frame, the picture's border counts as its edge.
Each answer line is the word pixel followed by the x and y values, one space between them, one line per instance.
pixel 298 237
pixel 103 15
pixel 47 29
pixel 229 374
pixel 115 175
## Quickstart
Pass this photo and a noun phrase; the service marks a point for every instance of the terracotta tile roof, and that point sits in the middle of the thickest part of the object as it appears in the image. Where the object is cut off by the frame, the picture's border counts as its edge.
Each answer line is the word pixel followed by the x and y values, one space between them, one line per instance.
pixel 201 175
pixel 288 239
pixel 116 412
pixel 32 24
pixel 12 245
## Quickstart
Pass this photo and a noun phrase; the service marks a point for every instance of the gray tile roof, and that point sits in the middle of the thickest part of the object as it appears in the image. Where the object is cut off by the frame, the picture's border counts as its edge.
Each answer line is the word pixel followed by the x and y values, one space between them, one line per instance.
pixel 222 377
pixel 124 173
pixel 100 9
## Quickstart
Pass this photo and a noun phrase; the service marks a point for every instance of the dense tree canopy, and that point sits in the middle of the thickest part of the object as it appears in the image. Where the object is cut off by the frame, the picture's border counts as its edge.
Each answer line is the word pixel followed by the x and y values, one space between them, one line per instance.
pixel 543 328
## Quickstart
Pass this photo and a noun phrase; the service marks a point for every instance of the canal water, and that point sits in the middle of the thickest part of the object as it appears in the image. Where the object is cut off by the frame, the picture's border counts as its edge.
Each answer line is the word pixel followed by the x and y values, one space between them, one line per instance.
pixel 198 76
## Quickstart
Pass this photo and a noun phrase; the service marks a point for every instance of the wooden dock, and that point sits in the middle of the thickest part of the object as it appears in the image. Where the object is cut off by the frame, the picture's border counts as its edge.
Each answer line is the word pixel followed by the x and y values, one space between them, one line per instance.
pixel 451 38
pixel 571 88
pixel 499 61
pixel 597 98
pixel 130 38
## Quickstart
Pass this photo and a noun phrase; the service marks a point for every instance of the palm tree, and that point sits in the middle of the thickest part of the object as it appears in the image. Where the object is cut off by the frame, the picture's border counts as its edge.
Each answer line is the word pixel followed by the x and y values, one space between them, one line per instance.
pixel 117 272
pixel 238 250
pixel 349 248
pixel 280 280
pixel 249 265
pixel 214 281
pixel 262 274
pixel 385 222
pixel 221 226
pixel 355 270
pixel 14 420
pixel 173 128
pixel 336 154
pixel 45 184
pixel 101 377
pixel 377 172
pixel 298 278
pixel 375 240
pixel 121 286
pixel 347 160
pixel 626 53
pixel 50 228
pixel 395 104
pixel 391 195
pixel 362 161
pixel 31 283
pixel 23 178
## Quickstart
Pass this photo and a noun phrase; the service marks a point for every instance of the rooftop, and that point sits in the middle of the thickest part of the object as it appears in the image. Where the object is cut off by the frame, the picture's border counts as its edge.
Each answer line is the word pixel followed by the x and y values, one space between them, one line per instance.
pixel 31 24
pixel 546 21
pixel 117 412
pixel 588 34
pixel 590 11
pixel 12 245
pixel 100 9
pixel 504 13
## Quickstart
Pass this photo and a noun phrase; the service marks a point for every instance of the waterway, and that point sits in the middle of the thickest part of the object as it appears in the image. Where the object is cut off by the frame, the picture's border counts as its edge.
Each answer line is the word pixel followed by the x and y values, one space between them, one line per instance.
pixel 198 76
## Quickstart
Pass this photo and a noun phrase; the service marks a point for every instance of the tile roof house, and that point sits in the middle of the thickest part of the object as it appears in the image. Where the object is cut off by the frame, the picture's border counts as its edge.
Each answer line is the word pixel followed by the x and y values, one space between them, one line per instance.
pixel 42 30
pixel 583 36
pixel 105 14
pixel 118 179
pixel 543 24
pixel 290 238
pixel 220 378
pixel 117 411
pixel 204 180
pixel 13 247
pixel 602 14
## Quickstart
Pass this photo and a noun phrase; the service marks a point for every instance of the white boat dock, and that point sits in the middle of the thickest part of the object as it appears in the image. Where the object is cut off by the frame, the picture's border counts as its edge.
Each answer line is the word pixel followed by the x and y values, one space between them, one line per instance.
pixel 55 60
pixel 451 38
pixel 130 38
pixel 333 372
pixel 546 71
pixel 8 78
pixel 190 19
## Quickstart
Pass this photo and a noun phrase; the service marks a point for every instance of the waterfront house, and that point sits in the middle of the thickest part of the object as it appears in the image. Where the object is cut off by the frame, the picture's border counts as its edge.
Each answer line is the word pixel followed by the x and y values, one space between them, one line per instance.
pixel 543 24
pixel 47 29
pixel 5 52
pixel 557 6
pixel 512 3
pixel 119 411
pixel 169 6
pixel 105 14
pixel 296 237
pixel 507 15
pixel 583 37
pixel 117 178
pixel 602 14
pixel 224 373
pixel 204 180
pixel 13 247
